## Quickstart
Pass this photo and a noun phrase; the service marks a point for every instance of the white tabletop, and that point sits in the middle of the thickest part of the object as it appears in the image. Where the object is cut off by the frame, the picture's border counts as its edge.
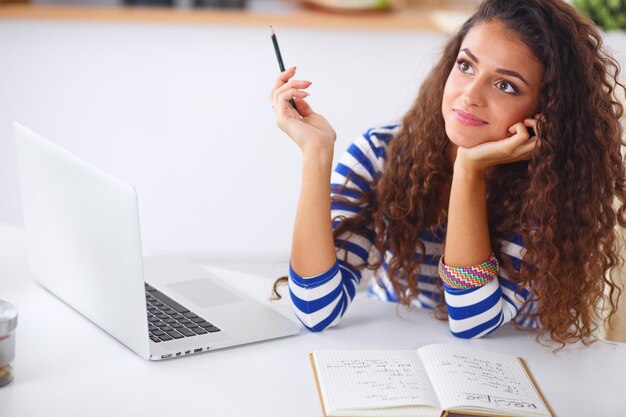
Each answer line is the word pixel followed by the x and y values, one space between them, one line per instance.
pixel 66 366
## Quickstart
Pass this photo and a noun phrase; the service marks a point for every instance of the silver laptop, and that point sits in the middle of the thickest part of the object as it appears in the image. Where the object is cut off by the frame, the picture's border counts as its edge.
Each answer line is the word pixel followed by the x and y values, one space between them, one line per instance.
pixel 84 246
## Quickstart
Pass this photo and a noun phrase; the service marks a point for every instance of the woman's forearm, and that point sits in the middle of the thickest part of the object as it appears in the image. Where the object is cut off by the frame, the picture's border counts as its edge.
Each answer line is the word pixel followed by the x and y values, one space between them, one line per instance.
pixel 313 248
pixel 467 237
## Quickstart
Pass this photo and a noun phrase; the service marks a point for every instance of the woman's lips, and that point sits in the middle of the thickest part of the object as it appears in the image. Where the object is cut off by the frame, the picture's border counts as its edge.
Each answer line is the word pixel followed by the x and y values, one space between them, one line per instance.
pixel 467 118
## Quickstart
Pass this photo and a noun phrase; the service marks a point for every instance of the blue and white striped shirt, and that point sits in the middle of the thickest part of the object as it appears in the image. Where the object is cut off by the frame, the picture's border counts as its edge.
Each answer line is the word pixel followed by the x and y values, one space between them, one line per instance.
pixel 320 301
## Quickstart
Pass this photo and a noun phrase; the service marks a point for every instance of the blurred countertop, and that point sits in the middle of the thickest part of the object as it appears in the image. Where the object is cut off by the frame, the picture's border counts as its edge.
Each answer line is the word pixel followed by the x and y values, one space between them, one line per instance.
pixel 412 15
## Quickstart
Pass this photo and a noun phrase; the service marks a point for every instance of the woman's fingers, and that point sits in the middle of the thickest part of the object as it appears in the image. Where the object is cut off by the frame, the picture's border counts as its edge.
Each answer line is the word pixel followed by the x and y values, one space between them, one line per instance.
pixel 303 107
pixel 528 122
pixel 528 148
pixel 284 81
pixel 284 90
pixel 526 145
pixel 297 84
pixel 287 74
pixel 281 102
pixel 283 77
pixel 520 134
pixel 532 123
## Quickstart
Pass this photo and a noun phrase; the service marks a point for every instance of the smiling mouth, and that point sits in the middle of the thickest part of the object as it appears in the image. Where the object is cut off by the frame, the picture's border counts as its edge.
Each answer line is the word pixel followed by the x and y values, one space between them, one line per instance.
pixel 467 119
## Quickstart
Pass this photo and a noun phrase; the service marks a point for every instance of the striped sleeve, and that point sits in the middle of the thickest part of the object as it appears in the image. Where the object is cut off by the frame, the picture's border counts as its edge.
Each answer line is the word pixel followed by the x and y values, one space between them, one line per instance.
pixel 476 312
pixel 320 301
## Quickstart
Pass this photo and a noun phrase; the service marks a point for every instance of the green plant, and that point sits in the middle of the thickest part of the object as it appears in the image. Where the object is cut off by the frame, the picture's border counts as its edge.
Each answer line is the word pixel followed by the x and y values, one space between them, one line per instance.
pixel 608 14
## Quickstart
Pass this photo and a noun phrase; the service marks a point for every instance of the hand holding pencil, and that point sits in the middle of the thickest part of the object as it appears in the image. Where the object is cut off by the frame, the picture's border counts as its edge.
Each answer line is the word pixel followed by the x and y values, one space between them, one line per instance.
pixel 294 116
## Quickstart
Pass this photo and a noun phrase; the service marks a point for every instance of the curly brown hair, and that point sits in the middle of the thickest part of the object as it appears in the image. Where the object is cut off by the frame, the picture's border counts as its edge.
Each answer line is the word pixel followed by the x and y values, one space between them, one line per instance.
pixel 565 203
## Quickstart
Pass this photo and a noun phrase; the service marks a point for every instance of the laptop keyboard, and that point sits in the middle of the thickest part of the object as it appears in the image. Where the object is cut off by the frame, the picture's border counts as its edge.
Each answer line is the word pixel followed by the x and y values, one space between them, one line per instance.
pixel 168 320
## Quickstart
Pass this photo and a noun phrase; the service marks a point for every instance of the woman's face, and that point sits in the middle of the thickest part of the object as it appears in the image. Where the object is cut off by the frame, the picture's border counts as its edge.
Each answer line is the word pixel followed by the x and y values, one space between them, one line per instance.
pixel 494 84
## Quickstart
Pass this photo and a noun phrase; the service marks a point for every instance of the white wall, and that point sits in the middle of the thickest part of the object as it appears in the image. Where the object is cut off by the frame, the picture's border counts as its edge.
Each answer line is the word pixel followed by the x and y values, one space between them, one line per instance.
pixel 181 112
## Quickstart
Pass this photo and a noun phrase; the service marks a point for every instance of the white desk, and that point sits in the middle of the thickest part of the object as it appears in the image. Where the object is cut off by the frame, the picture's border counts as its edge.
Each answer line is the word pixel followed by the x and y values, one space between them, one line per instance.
pixel 66 366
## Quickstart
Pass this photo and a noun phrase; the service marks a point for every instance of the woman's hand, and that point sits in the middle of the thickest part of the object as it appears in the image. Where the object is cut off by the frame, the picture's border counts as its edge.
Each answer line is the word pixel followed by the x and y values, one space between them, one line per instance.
pixel 519 147
pixel 308 129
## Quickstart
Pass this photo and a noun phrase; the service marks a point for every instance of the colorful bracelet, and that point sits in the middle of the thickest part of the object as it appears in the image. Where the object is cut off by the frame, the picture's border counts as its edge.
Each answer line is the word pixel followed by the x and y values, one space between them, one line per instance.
pixel 470 276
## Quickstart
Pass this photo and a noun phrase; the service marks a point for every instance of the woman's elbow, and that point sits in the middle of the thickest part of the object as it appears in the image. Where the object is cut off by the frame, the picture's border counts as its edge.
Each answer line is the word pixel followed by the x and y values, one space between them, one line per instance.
pixel 467 335
pixel 465 330
pixel 313 325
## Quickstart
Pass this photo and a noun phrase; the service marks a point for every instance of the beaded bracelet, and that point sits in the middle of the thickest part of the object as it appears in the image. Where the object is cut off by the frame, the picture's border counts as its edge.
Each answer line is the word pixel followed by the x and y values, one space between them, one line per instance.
pixel 470 276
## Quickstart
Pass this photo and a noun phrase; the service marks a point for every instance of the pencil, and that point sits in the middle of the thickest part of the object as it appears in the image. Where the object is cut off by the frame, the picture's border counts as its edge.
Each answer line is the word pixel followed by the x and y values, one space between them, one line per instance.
pixel 281 66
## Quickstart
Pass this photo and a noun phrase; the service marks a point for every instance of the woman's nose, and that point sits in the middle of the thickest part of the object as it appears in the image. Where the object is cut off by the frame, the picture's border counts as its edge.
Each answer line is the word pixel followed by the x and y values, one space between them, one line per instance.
pixel 473 93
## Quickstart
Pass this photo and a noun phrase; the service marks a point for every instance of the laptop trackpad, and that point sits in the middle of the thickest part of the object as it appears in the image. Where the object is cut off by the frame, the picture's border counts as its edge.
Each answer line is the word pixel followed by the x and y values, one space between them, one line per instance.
pixel 204 293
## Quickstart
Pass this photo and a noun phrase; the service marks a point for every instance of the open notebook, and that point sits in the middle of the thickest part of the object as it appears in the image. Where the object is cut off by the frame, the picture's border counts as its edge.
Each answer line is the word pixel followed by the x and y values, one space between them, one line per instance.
pixel 435 380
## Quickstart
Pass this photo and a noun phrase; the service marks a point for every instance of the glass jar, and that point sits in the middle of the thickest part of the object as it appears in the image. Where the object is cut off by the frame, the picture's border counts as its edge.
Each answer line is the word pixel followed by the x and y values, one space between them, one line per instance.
pixel 8 322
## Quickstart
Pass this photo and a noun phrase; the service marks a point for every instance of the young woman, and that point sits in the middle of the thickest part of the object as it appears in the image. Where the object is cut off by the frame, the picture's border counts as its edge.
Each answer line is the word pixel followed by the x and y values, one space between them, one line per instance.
pixel 495 200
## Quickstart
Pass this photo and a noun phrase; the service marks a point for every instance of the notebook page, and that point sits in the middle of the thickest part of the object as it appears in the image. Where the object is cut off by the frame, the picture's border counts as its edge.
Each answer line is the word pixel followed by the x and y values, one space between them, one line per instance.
pixel 471 378
pixel 358 379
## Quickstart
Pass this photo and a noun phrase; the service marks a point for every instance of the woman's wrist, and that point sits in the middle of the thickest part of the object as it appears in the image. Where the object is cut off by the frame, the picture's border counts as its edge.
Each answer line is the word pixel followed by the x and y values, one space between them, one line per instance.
pixel 318 154
pixel 468 168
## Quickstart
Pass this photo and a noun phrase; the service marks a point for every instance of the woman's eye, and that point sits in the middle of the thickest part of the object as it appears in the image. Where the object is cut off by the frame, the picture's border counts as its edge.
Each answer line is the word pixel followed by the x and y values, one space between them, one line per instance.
pixel 507 87
pixel 465 66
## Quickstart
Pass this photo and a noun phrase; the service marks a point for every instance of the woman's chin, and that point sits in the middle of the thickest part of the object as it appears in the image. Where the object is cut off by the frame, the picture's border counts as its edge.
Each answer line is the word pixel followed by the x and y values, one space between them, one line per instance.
pixel 464 141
